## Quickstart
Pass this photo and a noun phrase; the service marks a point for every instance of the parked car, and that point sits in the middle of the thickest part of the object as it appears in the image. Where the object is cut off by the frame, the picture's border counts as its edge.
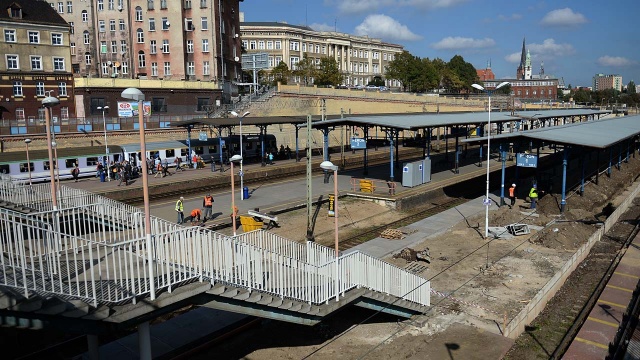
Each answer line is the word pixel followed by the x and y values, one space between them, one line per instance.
pixel 373 87
pixel 359 87
pixel 384 88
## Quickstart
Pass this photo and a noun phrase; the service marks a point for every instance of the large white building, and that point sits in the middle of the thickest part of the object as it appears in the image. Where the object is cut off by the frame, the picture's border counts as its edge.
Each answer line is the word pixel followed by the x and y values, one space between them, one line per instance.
pixel 359 58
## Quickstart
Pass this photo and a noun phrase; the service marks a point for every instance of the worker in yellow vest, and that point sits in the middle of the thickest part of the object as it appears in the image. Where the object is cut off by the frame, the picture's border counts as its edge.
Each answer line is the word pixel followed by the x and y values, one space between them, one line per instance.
pixel 533 195
pixel 180 209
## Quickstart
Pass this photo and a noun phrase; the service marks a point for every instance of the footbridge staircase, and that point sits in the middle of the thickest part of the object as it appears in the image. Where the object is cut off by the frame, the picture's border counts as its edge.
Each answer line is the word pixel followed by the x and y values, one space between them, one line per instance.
pixel 90 263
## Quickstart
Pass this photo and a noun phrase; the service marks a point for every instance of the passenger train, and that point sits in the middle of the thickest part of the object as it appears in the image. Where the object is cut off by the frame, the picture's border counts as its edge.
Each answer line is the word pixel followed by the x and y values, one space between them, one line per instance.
pixel 87 158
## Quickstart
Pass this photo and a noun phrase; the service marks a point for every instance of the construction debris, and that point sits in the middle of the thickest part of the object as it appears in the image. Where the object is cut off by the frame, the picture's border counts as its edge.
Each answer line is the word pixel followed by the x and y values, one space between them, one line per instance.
pixel 518 229
pixel 424 255
pixel 411 255
pixel 393 234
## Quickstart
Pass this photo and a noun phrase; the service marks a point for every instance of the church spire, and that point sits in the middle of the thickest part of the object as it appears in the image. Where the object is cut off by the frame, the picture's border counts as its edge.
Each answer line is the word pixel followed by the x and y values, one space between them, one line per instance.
pixel 523 54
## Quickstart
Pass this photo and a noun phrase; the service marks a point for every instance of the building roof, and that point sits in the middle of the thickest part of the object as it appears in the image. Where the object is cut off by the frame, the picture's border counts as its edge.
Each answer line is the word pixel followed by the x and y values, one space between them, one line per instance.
pixel 33 11
pixel 274 24
pixel 548 114
pixel 596 134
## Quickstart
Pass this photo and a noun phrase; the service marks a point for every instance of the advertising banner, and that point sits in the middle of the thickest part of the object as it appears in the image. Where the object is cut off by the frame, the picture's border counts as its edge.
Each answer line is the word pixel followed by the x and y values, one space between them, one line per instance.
pixel 130 108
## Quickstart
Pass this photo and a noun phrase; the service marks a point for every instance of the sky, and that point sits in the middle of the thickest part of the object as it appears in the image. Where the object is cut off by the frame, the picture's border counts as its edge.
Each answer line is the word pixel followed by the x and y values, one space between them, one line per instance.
pixel 575 39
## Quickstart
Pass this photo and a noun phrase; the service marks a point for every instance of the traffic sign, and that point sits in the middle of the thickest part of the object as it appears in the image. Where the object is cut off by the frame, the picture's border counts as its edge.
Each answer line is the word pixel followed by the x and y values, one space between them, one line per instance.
pixel 486 202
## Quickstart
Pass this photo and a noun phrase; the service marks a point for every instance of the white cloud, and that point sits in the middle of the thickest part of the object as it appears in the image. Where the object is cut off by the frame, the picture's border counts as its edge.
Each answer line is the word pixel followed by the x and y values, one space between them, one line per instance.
pixel 458 43
pixel 322 27
pixel 549 49
pixel 364 6
pixel 511 17
pixel 615 61
pixel 385 27
pixel 563 17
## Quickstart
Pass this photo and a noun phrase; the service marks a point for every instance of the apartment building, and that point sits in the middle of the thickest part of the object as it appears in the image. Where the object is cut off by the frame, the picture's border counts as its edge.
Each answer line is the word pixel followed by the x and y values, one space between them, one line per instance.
pixel 360 58
pixel 603 82
pixel 37 63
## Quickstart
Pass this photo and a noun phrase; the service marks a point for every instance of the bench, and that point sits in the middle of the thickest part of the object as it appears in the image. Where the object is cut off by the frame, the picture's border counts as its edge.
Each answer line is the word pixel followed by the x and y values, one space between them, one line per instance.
pixel 272 219
pixel 249 223
pixel 367 186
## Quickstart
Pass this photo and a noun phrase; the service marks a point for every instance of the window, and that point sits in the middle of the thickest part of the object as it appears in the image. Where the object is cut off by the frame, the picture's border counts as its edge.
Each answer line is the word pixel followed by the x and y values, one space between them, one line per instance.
pixel 165 46
pixel 204 24
pixel 56 39
pixel 58 64
pixel 278 45
pixel 317 49
pixel 165 23
pixel 187 4
pixel 70 163
pixel 85 16
pixel 40 88
pixel 294 45
pixel 158 105
pixel 293 62
pixel 85 37
pixel 36 62
pixel 105 69
pixel 142 62
pixel 101 26
pixel 252 45
pixel 245 44
pixel 188 24
pixel 153 48
pixel 376 55
pixel 17 88
pixel 64 112
pixel 261 45
pixel 138 13
pixel 103 47
pixel 125 67
pixel 123 46
pixel 269 45
pixel 100 5
pixel 202 104
pixel 87 58
pixel 167 68
pixel 152 24
pixel 191 68
pixel 205 68
pixel 154 69
pixel 114 47
pixel 140 36
pixel 203 4
pixel 189 46
pixel 205 45
pixel 384 56
pixel 73 48
pixel 150 5
pixel 20 113
pixel 163 4
pixel 34 37
pixel 12 62
pixel 69 7
pixel 112 25
pixel 122 25
pixel 110 4
pixel 73 27
pixel 61 7
pixel 24 167
pixel 9 35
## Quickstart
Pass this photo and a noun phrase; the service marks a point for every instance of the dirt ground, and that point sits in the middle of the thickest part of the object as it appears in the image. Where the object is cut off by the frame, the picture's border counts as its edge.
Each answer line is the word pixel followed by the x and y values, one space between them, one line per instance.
pixel 489 281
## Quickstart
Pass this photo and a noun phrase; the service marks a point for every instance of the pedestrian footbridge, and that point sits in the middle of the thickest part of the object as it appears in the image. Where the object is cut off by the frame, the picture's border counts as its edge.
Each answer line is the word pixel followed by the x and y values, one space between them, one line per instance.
pixel 90 263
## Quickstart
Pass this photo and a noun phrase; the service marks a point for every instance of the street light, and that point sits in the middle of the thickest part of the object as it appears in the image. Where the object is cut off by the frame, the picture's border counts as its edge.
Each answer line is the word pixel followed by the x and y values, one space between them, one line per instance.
pixel 106 149
pixel 241 156
pixel 328 165
pixel 27 141
pixel 233 159
pixel 48 103
pixel 137 95
pixel 487 201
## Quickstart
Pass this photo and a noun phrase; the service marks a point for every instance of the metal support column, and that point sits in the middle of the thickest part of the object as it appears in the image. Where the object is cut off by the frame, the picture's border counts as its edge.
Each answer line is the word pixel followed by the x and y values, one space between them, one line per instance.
pixel 144 341
pixel 565 156
pixel 582 176
pixel 366 154
pixel 262 132
pixel 619 156
pixel 481 146
pixel 457 152
pixel 297 144
pixel 503 155
pixel 424 144
pixel 220 147
pixel 610 160
pixel 597 165
pixel 325 152
pixel 309 191
pixel 390 134
pixel 396 147
pixel 188 146
pixel 429 143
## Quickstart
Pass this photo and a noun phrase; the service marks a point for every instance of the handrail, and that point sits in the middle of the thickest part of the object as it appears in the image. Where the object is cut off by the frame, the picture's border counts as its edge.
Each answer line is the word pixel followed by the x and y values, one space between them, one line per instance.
pixel 371 185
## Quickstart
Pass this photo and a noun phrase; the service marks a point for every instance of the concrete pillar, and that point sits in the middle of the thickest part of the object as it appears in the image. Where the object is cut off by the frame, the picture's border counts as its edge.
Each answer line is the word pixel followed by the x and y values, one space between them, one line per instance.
pixel 144 341
pixel 94 347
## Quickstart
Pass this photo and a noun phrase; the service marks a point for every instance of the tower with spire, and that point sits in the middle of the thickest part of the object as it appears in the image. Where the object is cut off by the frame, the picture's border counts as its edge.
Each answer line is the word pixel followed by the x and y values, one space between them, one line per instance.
pixel 524 69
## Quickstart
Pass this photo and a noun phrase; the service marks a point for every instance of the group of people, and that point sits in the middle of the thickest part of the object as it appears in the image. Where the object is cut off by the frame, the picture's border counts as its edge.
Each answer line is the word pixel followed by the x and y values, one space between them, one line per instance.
pixel 533 195
pixel 120 170
pixel 196 215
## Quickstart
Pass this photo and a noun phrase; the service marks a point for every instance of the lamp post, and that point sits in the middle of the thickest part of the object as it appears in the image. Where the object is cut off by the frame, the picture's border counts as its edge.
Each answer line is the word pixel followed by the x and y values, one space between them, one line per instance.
pixel 137 95
pixel 106 149
pixel 241 156
pixel 48 103
pixel 233 159
pixel 328 166
pixel 487 201
pixel 27 141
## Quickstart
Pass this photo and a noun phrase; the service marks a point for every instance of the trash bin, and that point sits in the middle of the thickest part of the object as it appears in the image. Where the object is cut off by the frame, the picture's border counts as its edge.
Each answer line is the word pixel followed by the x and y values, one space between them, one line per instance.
pixel 245 192
pixel 102 176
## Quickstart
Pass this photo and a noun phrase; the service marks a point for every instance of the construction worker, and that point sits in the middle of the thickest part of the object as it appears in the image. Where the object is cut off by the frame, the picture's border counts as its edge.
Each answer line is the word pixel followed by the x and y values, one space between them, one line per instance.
pixel 207 205
pixel 533 195
pixel 512 195
pixel 195 214
pixel 180 209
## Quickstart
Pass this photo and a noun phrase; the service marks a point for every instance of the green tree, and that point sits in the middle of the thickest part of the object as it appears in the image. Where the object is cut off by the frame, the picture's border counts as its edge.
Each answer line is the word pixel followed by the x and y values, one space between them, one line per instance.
pixel 404 68
pixel 306 69
pixel 462 74
pixel 281 73
pixel 631 87
pixel 328 72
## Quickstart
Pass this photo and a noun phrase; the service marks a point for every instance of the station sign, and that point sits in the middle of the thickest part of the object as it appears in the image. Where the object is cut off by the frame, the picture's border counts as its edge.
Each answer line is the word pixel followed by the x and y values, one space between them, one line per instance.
pixel 358 143
pixel 202 136
pixel 526 160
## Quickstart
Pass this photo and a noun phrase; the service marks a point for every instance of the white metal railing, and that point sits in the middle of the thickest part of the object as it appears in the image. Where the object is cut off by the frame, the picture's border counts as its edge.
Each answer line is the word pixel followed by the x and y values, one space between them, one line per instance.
pixel 95 248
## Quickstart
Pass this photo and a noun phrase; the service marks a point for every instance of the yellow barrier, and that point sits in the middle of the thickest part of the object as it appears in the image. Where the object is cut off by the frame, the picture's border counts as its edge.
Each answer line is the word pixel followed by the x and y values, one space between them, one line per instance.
pixel 367 186
pixel 250 224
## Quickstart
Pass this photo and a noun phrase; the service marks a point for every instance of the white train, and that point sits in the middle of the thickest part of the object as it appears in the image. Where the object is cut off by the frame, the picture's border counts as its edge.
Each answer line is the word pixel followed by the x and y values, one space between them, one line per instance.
pixel 87 158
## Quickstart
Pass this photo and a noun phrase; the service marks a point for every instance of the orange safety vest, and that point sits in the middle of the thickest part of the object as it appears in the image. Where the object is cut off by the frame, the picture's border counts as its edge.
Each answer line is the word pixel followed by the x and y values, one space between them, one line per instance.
pixel 208 201
pixel 512 191
pixel 195 213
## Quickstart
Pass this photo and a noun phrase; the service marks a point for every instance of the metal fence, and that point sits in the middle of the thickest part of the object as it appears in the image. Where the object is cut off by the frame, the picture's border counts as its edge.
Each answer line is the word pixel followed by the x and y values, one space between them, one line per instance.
pixel 95 249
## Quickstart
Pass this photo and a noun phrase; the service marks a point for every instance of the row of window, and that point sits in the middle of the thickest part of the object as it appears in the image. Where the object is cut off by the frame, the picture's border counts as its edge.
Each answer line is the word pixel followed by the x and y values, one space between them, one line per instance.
pixel 68 163
pixel 535 92
pixel 310 48
pixel 13 62
pixel 18 89
pixel 10 36
pixel 20 114
pixel 191 67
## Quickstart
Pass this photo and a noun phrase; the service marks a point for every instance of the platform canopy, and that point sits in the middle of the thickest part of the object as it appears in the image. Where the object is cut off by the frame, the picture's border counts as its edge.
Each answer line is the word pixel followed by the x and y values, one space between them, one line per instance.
pixel 596 134
pixel 548 114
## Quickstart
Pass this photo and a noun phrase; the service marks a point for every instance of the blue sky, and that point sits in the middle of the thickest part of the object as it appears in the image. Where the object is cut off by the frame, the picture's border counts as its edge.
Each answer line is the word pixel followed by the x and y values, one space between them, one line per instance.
pixel 575 38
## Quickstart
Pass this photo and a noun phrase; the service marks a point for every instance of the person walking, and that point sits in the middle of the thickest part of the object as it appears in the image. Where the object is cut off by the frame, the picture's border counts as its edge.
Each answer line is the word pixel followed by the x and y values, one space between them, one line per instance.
pixel 75 173
pixel 180 209
pixel 123 176
pixel 512 195
pixel 533 195
pixel 207 205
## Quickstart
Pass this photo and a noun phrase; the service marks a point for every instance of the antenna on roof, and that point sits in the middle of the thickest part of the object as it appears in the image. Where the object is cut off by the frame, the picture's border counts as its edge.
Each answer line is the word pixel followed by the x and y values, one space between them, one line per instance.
pixel 335 25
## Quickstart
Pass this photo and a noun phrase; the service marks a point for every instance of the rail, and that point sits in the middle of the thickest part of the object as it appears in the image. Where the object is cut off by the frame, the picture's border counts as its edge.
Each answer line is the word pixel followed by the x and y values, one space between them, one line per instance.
pixel 98 251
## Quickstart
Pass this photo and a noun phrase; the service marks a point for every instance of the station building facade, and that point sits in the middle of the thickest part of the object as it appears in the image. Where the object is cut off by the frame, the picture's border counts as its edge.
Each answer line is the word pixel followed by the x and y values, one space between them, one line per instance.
pixel 359 58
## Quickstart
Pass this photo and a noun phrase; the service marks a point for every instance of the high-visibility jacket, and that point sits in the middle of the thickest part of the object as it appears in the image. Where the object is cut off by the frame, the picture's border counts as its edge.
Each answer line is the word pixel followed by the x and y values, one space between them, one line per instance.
pixel 179 206
pixel 533 193
pixel 208 201
pixel 512 192
pixel 196 213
